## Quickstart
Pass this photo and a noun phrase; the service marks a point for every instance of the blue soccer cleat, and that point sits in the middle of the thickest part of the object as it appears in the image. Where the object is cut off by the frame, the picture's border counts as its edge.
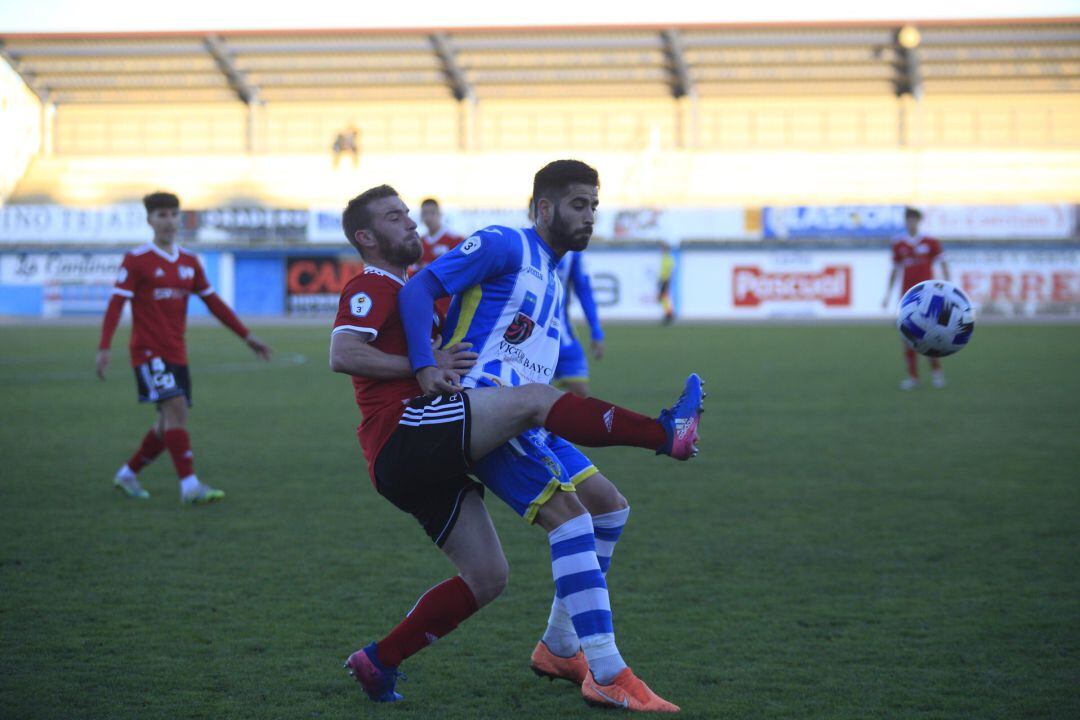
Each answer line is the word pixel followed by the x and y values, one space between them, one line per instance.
pixel 681 421
pixel 377 680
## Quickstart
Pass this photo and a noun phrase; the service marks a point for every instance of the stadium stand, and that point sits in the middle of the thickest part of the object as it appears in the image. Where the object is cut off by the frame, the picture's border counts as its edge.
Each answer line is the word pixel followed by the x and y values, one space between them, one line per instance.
pixel 754 114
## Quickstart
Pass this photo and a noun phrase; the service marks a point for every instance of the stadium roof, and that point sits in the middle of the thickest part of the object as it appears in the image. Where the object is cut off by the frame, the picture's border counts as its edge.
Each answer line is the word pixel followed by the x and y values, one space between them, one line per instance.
pixel 873 57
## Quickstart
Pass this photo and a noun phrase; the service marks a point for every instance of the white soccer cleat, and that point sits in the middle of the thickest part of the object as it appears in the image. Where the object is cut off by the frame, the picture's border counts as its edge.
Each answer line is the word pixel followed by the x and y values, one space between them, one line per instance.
pixel 202 495
pixel 129 485
pixel 938 379
pixel 909 383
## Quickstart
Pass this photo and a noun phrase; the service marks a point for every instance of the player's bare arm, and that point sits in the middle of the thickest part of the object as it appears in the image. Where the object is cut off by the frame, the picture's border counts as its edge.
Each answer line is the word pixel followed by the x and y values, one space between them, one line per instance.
pixel 889 286
pixel 352 354
pixel 261 349
pixel 102 362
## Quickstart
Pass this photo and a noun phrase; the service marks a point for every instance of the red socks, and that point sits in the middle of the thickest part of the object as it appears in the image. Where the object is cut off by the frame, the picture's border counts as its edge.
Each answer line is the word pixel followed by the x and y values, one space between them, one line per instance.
pixel 179 444
pixel 436 613
pixel 595 423
pixel 912 370
pixel 151 447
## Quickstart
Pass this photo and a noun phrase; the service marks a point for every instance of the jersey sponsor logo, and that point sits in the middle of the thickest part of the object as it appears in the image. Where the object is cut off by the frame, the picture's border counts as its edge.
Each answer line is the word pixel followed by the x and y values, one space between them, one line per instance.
pixel 518 357
pixel 158 272
pixel 753 286
pixel 169 293
pixel 470 246
pixel 360 304
pixel 519 330
pixel 187 272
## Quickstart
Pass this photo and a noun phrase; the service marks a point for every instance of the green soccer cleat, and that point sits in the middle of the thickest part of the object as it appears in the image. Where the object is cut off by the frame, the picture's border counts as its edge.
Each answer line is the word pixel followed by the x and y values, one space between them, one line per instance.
pixel 130 486
pixel 202 495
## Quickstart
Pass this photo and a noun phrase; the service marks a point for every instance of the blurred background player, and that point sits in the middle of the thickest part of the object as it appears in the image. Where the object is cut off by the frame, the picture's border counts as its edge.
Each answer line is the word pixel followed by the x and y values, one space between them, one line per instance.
pixel 347 142
pixel 572 370
pixel 667 268
pixel 435 243
pixel 158 278
pixel 438 240
pixel 915 254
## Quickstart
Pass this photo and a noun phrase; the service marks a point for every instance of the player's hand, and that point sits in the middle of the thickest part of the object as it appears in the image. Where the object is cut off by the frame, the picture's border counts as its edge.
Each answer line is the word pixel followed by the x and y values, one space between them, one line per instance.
pixel 436 381
pixel 102 362
pixel 261 349
pixel 456 357
pixel 598 349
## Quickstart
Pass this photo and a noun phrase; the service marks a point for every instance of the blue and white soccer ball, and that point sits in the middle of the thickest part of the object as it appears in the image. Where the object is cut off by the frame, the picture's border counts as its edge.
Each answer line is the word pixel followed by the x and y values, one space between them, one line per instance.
pixel 935 318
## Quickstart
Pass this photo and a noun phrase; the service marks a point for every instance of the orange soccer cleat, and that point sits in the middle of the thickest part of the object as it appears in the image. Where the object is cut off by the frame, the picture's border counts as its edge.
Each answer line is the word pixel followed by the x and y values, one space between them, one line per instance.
pixel 547 664
pixel 625 691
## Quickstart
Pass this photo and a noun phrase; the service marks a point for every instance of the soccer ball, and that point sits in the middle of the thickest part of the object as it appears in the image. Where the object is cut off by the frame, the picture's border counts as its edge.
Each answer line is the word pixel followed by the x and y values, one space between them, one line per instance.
pixel 935 318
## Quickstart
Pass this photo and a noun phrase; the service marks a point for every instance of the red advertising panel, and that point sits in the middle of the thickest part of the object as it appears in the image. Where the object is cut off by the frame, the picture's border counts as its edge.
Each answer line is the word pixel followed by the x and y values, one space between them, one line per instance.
pixel 752 286
pixel 313 284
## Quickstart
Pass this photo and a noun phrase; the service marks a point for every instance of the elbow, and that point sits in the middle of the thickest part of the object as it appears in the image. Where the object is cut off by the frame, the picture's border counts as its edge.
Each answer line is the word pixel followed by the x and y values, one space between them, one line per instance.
pixel 336 363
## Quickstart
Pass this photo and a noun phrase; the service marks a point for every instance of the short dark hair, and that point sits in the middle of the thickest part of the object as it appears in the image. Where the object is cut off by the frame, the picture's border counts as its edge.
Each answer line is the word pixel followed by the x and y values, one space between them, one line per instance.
pixel 555 177
pixel 429 201
pixel 356 216
pixel 160 201
pixel 912 212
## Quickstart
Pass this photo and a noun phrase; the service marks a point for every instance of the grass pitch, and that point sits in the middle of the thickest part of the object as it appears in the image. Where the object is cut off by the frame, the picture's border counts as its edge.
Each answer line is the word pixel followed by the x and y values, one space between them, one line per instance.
pixel 839 550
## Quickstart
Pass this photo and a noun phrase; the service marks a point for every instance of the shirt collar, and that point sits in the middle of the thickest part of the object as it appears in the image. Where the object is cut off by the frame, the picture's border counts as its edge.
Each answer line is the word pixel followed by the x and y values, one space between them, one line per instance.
pixel 379 271
pixel 156 249
pixel 543 245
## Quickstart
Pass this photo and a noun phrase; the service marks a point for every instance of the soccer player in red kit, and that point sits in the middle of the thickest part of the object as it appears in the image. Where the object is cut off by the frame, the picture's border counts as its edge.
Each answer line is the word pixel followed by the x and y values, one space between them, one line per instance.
pixel 438 240
pixel 915 254
pixel 420 448
pixel 435 243
pixel 158 278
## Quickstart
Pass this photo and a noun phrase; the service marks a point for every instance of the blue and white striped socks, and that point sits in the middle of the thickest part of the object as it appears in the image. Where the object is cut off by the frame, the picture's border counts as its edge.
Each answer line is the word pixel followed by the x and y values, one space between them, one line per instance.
pixel 581 594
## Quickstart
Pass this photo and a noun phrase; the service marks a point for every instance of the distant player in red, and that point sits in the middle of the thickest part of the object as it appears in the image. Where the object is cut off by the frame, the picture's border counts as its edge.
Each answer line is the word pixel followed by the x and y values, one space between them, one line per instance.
pixel 915 254
pixel 435 243
pixel 158 278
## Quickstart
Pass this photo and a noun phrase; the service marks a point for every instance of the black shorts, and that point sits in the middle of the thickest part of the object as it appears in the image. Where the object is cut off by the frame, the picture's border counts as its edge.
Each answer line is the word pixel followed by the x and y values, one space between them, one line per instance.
pixel 158 380
pixel 422 467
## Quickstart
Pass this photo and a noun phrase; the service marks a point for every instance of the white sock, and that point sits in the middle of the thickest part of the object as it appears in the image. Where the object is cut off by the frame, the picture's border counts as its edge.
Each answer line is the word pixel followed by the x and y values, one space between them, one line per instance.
pixel 189 485
pixel 581 588
pixel 560 636
pixel 126 473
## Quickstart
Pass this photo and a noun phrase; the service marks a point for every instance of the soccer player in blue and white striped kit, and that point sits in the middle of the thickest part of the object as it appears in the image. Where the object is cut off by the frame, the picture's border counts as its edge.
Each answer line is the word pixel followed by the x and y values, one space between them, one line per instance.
pixel 572 372
pixel 508 304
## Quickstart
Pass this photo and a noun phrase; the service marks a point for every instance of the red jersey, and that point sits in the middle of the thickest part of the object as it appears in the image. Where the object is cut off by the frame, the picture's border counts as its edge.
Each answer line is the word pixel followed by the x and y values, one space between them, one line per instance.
pixel 369 306
pixel 158 285
pixel 916 255
pixel 437 245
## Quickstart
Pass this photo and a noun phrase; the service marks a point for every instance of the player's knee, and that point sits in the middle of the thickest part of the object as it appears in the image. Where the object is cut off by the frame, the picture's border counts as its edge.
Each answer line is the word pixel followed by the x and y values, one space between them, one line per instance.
pixel 488 581
pixel 562 507
pixel 174 414
pixel 616 503
pixel 537 401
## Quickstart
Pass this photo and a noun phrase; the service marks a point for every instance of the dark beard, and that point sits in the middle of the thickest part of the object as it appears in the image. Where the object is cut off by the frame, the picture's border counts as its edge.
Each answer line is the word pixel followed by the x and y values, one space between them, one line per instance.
pixel 404 254
pixel 560 233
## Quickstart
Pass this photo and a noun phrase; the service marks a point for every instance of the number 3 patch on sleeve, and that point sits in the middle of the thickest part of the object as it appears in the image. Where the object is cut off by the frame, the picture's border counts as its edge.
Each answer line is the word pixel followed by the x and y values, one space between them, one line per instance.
pixel 360 304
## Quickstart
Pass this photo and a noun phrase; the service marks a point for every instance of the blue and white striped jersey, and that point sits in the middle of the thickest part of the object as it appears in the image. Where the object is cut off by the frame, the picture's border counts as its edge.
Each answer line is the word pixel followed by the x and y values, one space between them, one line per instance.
pixel 575 281
pixel 507 302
